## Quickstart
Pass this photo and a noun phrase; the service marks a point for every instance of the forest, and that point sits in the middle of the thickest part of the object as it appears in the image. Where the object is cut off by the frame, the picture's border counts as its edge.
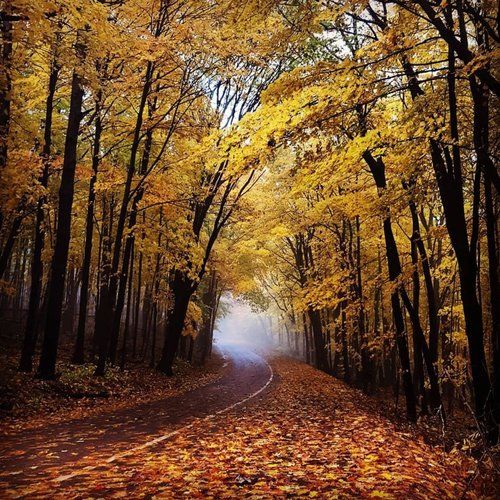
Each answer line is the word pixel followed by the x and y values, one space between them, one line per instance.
pixel 332 165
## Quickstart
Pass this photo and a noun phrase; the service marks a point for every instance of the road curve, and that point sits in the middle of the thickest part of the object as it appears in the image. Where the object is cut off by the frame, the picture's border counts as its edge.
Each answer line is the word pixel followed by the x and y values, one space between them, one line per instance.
pixel 27 456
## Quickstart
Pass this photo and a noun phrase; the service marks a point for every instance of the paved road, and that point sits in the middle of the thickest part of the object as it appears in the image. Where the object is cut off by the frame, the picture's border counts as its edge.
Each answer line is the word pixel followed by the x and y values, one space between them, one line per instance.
pixel 33 455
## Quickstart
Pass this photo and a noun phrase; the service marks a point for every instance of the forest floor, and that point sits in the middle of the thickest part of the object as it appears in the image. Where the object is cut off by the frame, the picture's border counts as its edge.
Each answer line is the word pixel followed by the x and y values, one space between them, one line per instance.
pixel 277 430
pixel 28 403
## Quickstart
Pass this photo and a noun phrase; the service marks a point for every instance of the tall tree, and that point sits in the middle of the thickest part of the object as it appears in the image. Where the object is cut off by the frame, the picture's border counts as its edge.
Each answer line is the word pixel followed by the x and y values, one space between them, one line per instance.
pixel 47 366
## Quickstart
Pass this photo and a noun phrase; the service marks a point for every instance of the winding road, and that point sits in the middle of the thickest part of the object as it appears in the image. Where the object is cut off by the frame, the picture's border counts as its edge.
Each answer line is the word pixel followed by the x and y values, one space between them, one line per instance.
pixel 285 431
pixel 33 455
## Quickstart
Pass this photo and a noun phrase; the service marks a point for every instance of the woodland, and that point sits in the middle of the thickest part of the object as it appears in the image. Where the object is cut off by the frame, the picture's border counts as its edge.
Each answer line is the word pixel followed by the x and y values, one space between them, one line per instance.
pixel 331 163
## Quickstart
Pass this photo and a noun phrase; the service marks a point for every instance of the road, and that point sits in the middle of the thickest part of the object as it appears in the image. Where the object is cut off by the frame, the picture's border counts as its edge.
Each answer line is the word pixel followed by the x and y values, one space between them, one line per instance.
pixel 33 455
pixel 274 428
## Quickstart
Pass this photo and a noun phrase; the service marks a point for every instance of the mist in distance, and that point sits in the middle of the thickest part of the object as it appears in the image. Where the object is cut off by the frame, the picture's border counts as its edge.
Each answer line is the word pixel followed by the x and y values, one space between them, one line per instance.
pixel 240 325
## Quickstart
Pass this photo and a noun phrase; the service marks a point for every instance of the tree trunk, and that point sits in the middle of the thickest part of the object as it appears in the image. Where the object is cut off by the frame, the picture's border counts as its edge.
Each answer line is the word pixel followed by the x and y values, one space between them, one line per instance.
pixel 343 340
pixel 319 341
pixel 47 367
pixel 122 284
pixel 418 365
pixel 30 332
pixel 137 307
pixel 109 303
pixel 79 351
pixel 481 145
pixel 69 309
pixel 429 286
pixel 450 192
pixel 201 345
pixel 103 323
pixel 366 369
pixel 9 244
pixel 493 272
pixel 182 289
pixel 377 168
pixel 127 316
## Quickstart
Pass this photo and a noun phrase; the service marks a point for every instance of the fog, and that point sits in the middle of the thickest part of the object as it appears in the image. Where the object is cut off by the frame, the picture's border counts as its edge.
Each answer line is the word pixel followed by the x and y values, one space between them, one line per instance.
pixel 242 326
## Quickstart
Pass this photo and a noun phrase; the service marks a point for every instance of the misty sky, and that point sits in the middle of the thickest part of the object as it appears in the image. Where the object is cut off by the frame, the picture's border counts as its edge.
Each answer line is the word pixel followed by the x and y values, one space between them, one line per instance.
pixel 242 325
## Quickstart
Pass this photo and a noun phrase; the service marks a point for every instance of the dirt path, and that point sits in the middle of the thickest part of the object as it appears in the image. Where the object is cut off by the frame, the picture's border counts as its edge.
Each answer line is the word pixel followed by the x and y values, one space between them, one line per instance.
pixel 302 433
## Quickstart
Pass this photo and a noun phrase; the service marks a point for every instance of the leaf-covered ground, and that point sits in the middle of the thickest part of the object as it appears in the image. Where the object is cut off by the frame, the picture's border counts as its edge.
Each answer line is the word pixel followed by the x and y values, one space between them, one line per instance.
pixel 27 402
pixel 305 435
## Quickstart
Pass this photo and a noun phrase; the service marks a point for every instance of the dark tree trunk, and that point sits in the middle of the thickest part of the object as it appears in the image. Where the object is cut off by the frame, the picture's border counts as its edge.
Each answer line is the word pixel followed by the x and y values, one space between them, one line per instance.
pixel 182 289
pixel 449 179
pixel 493 271
pixel 201 345
pixel 122 284
pixel 429 286
pixel 156 288
pixel 47 367
pixel 430 356
pixel 366 367
pixel 212 325
pixel 109 303
pixel 127 316
pixel 20 286
pixel 306 336
pixel 153 336
pixel 377 168
pixel 137 307
pixel 69 309
pixel 30 332
pixel 418 365
pixel 457 229
pixel 146 315
pixel 79 351
pixel 9 244
pixel 481 145
pixel 103 266
pixel 345 346
pixel 435 396
pixel 319 341
pixel 103 320
pixel 103 338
